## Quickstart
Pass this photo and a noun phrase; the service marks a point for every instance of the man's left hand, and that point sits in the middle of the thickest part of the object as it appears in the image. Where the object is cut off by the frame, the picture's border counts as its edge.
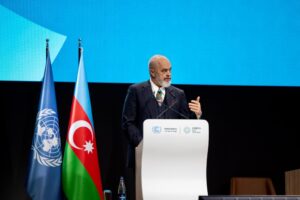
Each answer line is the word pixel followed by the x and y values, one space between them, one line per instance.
pixel 195 107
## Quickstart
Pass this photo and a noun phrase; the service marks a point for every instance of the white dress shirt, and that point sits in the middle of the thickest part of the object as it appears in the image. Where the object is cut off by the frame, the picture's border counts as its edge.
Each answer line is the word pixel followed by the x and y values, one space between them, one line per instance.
pixel 155 89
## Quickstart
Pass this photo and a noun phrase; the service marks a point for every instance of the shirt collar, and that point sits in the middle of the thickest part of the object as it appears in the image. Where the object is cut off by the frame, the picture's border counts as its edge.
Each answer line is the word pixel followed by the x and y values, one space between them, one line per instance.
pixel 155 88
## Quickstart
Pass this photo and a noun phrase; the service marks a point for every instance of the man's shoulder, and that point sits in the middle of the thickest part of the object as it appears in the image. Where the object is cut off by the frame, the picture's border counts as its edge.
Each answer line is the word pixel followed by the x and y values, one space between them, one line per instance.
pixel 139 85
pixel 175 89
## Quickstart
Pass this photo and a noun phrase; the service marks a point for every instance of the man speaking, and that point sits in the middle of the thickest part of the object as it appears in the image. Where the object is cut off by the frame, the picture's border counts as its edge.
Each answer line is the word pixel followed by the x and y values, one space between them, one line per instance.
pixel 153 99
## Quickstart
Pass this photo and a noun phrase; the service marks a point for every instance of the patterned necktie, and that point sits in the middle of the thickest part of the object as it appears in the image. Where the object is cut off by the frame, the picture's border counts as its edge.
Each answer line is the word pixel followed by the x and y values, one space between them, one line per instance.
pixel 159 96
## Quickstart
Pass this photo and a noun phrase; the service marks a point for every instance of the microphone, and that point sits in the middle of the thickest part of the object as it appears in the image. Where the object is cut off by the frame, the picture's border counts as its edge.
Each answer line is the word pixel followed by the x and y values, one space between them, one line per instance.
pixel 170 108
pixel 182 115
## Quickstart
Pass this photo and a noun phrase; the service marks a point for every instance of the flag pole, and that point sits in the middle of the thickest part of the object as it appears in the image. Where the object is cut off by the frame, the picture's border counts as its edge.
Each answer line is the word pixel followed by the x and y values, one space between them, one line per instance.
pixel 79 49
pixel 47 47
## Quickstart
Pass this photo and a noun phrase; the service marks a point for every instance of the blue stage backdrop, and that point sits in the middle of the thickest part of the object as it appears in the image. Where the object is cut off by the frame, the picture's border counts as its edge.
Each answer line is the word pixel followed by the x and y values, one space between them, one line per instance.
pixel 217 42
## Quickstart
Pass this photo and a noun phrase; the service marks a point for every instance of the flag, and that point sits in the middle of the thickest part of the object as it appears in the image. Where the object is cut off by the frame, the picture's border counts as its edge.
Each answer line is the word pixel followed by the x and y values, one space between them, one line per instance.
pixel 81 171
pixel 44 171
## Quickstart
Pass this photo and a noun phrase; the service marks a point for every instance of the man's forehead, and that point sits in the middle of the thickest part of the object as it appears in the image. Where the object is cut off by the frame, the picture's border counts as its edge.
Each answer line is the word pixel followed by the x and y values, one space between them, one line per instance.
pixel 163 63
pixel 164 67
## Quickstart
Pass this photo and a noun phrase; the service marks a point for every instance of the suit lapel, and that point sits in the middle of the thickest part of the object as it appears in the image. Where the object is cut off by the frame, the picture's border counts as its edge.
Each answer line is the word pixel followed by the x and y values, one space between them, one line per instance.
pixel 170 99
pixel 170 96
pixel 150 101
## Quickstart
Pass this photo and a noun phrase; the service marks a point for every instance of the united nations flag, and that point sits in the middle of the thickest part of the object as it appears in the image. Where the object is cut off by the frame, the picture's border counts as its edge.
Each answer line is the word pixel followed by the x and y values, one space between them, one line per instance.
pixel 44 171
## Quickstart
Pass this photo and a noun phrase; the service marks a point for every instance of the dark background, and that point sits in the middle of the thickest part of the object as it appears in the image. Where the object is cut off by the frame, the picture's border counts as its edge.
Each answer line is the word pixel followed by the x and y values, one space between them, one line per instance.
pixel 253 131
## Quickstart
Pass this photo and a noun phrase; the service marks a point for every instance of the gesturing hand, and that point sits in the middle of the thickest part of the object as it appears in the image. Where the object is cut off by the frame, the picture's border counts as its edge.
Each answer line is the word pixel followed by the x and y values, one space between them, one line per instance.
pixel 195 107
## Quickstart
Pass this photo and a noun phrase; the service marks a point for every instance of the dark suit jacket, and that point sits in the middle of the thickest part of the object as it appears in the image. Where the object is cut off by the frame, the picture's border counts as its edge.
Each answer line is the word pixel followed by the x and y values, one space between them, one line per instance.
pixel 140 104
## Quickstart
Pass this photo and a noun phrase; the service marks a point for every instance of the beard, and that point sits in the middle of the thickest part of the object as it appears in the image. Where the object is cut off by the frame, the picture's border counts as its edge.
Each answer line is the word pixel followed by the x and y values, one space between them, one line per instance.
pixel 163 83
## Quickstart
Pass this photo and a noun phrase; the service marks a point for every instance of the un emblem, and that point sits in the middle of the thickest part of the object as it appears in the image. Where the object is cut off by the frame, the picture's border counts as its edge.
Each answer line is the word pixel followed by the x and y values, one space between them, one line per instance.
pixel 46 145
pixel 187 130
pixel 156 129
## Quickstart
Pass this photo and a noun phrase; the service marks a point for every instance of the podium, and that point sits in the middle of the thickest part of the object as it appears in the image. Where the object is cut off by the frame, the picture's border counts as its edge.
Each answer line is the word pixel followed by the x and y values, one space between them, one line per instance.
pixel 171 160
